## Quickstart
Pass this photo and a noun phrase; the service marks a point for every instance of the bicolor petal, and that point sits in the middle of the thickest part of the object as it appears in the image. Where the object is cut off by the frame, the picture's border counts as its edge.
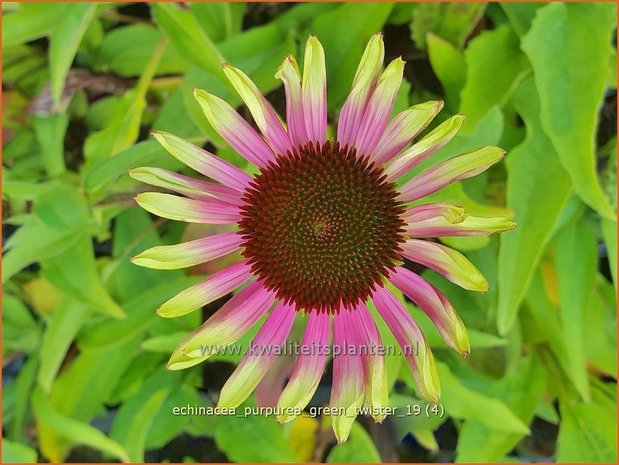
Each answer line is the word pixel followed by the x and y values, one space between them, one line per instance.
pixel 469 226
pixel 172 257
pixel 379 107
pixel 412 343
pixel 404 128
pixel 237 132
pixel 203 162
pixel 314 91
pixel 348 387
pixel 225 327
pixel 290 75
pixel 191 187
pixel 450 171
pixel 450 212
pixel 435 305
pixel 427 146
pixel 446 261
pixel 377 389
pixel 363 84
pixel 215 286
pixel 265 117
pixel 309 366
pixel 173 207
pixel 260 356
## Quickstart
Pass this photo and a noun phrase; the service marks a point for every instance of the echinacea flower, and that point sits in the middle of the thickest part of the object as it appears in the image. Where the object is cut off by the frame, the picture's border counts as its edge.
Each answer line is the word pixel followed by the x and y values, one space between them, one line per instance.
pixel 322 228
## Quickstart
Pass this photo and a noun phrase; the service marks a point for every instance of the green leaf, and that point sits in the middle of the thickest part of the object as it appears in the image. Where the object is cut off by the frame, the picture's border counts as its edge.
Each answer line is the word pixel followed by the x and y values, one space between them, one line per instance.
pixel 59 334
pixel 50 131
pixel 75 273
pixel 30 22
pixel 63 44
pixel 189 39
pixel 587 434
pixel 57 225
pixel 359 448
pixel 343 51
pixel 124 128
pixel 141 423
pixel 132 61
pixel 576 244
pixel 535 173
pixel 77 432
pixel 571 85
pixel 521 391
pixel 462 402
pixel 262 439
pixel 521 14
pixel 220 20
pixel 23 384
pixel 452 21
pixel 609 231
pixel 494 65
pixel 14 452
pixel 449 66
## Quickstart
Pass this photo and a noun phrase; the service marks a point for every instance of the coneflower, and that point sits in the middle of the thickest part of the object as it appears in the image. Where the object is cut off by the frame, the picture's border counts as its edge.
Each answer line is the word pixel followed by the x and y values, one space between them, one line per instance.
pixel 322 227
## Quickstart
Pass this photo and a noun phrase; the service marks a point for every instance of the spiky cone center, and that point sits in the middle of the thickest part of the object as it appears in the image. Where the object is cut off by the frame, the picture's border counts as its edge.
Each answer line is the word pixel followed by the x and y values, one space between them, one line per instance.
pixel 321 227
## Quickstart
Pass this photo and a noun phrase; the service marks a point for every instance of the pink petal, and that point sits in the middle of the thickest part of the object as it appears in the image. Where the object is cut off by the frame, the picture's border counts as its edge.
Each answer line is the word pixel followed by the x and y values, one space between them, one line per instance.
pixel 314 90
pixel 435 305
pixel 411 341
pixel 309 366
pixel 348 388
pixel 226 326
pixel 291 77
pixel 203 161
pixel 237 132
pixel 212 288
pixel 379 107
pixel 260 356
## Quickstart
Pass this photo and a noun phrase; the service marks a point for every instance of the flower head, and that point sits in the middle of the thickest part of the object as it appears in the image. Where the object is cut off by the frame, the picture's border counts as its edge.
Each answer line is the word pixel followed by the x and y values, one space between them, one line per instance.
pixel 322 228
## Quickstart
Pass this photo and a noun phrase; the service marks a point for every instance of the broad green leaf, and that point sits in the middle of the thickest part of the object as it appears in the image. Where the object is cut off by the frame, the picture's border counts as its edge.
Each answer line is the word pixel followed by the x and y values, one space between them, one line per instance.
pixel 609 231
pixel 576 244
pixel 191 41
pixel 343 51
pixel 449 66
pixel 104 172
pixel 262 439
pixel 50 131
pixel 77 432
pixel 600 332
pixel 132 61
pixel 462 402
pixel 494 65
pixel 140 424
pixel 58 223
pixel 30 22
pixel 59 334
pixel 24 383
pixel 75 273
pixel 587 433
pixel 124 129
pixel 81 390
pixel 521 391
pixel 14 452
pixel 521 14
pixel 569 46
pixel 359 448
pixel 535 173
pixel 64 42
pixel 452 21
pixel 220 20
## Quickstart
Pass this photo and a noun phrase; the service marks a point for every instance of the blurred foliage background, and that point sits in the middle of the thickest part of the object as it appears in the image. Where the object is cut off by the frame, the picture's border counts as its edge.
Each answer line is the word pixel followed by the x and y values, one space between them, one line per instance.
pixel 83 351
